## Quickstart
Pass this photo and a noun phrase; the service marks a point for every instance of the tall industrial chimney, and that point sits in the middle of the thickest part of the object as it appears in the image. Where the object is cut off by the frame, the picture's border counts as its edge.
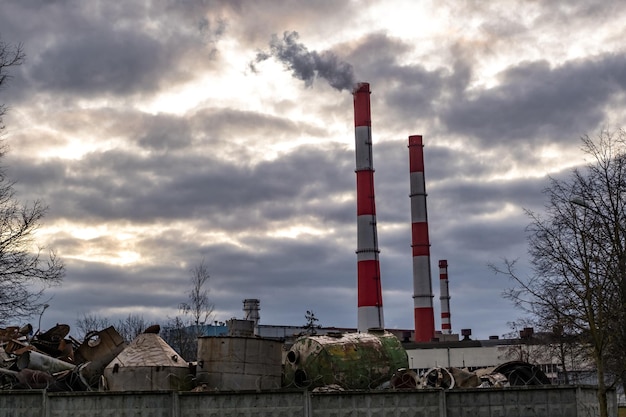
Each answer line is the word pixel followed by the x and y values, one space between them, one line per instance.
pixel 370 300
pixel 446 325
pixel 422 284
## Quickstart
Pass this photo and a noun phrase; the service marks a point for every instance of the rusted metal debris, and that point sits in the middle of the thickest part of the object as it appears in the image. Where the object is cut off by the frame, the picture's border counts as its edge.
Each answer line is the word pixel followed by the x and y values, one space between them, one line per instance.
pixel 378 361
pixel 51 360
pixel 54 361
pixel 515 373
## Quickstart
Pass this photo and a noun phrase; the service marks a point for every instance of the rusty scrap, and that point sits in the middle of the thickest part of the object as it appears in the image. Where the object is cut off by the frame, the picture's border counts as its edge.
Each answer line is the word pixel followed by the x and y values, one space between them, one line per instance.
pixel 55 361
pixel 515 373
pixel 349 360
pixel 51 360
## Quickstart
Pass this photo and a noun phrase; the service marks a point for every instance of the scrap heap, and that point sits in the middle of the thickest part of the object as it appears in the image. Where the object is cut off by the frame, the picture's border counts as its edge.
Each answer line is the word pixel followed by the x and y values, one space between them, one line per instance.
pixel 53 360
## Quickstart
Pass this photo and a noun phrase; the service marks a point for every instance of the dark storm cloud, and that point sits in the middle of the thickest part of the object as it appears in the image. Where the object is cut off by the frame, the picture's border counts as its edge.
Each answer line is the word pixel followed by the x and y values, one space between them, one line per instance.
pixel 308 65
pixel 406 92
pixel 287 274
pixel 455 182
pixel 475 197
pixel 91 287
pixel 418 95
pixel 120 63
pixel 92 48
pixel 535 100
pixel 170 186
pixel 225 124
pixel 165 133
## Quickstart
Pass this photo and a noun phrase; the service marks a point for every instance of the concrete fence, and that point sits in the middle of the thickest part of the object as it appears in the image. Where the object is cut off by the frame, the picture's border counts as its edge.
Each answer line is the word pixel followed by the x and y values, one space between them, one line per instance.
pixel 551 401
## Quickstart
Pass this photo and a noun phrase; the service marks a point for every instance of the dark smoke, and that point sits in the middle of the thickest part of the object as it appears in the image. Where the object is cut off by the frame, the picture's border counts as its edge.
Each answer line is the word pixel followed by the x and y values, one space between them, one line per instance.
pixel 306 65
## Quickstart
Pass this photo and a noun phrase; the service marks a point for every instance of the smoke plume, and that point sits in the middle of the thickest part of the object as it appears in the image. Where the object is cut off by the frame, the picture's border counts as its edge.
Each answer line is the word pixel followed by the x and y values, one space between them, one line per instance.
pixel 306 65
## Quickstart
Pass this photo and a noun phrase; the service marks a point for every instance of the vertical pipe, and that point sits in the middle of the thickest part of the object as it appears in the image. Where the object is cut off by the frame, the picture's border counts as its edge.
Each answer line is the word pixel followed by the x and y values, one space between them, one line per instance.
pixel 370 301
pixel 446 325
pixel 422 284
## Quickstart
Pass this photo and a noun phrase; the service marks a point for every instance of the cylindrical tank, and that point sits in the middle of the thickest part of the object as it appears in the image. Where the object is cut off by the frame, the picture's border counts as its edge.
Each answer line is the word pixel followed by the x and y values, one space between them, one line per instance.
pixel 350 360
pixel 239 363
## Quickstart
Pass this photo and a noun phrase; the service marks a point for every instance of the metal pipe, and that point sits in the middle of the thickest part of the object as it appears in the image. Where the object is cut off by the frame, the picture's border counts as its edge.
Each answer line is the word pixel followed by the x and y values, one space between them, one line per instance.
pixel 40 362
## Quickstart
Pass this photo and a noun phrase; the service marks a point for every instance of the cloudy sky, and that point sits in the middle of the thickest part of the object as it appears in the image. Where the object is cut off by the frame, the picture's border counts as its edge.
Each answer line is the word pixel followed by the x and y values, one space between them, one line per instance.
pixel 161 133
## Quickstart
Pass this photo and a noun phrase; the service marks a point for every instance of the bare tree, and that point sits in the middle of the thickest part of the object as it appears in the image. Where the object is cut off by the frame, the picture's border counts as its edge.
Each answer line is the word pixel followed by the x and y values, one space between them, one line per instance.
pixel 88 323
pixel 131 327
pixel 182 331
pixel 25 269
pixel 543 342
pixel 199 306
pixel 312 324
pixel 10 56
pixel 181 338
pixel 578 257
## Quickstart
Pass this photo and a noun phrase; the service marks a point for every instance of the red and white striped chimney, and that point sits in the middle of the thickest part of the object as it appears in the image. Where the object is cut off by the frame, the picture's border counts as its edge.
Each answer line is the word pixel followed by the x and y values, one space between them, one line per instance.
pixel 446 325
pixel 422 284
pixel 370 300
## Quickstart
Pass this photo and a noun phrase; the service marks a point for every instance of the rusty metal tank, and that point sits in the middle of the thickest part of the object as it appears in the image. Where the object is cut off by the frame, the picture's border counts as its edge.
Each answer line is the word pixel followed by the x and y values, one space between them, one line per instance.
pixel 350 360
pixel 239 363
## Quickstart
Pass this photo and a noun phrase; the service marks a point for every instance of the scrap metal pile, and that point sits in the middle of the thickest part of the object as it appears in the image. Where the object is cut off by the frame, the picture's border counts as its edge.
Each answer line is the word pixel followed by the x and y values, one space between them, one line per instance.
pixel 508 374
pixel 53 360
pixel 348 361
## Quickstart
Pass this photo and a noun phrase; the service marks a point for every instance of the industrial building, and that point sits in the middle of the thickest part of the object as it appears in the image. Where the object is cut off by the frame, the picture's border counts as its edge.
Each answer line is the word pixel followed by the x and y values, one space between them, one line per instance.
pixel 444 350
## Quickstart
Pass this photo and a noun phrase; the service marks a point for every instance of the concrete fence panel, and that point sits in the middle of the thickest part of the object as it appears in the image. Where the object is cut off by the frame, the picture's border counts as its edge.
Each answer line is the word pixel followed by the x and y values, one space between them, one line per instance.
pixel 546 401
pixel 243 404
pixel 380 403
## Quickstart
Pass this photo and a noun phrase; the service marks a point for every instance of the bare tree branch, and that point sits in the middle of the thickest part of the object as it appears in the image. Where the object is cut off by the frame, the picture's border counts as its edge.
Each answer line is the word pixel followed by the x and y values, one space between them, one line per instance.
pixel 26 268
pixel 577 250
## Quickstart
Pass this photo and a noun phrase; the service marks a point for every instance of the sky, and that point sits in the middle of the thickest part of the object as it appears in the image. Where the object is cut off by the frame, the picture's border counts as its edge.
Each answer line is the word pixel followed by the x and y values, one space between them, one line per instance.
pixel 162 134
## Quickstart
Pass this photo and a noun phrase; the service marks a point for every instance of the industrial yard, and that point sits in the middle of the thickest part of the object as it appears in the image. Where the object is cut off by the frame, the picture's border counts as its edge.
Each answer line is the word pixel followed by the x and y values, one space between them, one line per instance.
pixel 248 368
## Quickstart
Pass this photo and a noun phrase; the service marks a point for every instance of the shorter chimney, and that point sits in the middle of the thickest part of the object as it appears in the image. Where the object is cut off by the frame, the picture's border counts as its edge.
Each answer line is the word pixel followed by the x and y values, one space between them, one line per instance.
pixel 422 285
pixel 251 312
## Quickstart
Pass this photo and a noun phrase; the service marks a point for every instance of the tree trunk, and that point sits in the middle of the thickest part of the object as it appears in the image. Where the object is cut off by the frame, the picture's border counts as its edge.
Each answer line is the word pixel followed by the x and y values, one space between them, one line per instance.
pixel 602 400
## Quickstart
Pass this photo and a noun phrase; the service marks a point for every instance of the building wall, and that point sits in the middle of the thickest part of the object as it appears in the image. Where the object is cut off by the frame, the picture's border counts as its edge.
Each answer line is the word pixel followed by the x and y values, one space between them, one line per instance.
pixel 458 357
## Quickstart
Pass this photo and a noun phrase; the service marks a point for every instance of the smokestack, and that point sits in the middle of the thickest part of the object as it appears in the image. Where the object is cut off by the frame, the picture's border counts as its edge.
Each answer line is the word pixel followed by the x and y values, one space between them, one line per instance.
pixel 251 312
pixel 422 284
pixel 446 325
pixel 370 300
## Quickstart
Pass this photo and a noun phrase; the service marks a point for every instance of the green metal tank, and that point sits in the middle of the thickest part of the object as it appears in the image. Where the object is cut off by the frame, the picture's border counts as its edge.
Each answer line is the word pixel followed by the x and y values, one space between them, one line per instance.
pixel 350 360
